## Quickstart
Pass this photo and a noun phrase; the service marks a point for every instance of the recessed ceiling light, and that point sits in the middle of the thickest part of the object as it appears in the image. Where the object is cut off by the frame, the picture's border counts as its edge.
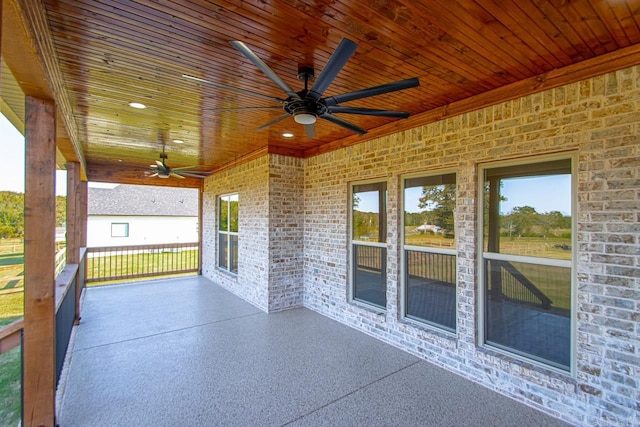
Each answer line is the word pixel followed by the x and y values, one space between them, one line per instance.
pixel 178 141
pixel 137 105
pixel 287 135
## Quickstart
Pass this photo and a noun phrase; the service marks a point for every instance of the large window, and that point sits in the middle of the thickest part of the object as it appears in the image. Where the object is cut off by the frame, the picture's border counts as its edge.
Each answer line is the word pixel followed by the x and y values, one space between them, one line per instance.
pixel 429 250
pixel 526 260
pixel 368 237
pixel 228 232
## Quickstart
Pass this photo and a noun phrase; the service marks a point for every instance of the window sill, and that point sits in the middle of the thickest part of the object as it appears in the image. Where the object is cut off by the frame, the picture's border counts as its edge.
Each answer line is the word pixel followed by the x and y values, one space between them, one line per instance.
pixel 374 309
pixel 430 328
pixel 523 362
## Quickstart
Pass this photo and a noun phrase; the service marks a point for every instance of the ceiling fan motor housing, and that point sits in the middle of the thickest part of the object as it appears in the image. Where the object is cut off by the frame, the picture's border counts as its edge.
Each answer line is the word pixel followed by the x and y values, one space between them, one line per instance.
pixel 305 105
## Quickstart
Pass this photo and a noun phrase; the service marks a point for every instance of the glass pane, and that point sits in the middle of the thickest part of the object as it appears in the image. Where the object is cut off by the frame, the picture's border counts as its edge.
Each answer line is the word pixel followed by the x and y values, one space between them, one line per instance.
pixel 429 210
pixel 431 288
pixel 533 211
pixel 233 213
pixel 223 250
pixel 234 253
pixel 369 212
pixel 370 275
pixel 528 309
pixel 223 220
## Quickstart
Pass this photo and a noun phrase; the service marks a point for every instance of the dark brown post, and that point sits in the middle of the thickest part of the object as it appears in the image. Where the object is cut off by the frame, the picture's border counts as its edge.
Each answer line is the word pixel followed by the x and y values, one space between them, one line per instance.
pixel 493 236
pixel 39 385
pixel 200 199
pixel 74 226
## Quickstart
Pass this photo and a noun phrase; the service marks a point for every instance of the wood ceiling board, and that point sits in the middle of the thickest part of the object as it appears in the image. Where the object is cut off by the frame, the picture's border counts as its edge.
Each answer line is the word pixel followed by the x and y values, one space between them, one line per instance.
pixel 110 52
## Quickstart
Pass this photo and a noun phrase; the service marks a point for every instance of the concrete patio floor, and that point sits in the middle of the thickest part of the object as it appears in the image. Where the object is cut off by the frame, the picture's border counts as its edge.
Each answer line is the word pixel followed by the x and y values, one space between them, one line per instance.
pixel 185 352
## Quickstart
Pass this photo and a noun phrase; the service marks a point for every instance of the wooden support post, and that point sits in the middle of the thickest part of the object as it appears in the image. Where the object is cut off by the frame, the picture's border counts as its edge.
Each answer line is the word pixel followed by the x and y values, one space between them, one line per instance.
pixel 200 199
pixel 75 226
pixel 73 213
pixel 493 235
pixel 39 386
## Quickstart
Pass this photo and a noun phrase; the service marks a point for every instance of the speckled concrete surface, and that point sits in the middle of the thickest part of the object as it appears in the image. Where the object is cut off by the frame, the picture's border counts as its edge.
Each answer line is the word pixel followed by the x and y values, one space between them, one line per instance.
pixel 186 352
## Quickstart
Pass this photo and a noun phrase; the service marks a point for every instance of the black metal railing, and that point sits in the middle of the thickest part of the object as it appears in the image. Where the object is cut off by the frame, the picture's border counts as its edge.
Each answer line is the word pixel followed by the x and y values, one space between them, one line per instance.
pixel 130 262
pixel 368 257
pixel 507 282
pixel 435 267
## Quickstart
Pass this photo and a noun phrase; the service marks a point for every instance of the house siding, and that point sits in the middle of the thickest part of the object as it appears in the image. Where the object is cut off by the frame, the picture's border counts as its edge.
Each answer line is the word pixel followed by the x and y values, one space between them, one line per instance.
pixel 595 120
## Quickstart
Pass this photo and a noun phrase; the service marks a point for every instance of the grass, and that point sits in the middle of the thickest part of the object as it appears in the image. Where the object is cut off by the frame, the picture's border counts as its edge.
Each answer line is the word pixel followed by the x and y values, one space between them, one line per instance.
pixel 11 308
pixel 140 264
pixel 10 383
pixel 11 259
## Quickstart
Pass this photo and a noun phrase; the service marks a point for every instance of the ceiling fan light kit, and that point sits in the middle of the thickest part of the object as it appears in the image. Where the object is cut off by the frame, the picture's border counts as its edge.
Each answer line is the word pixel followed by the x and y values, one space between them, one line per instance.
pixel 308 104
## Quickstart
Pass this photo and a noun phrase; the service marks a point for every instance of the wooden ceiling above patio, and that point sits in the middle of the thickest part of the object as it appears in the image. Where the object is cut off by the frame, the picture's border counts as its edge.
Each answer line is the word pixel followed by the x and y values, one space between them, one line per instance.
pixel 111 53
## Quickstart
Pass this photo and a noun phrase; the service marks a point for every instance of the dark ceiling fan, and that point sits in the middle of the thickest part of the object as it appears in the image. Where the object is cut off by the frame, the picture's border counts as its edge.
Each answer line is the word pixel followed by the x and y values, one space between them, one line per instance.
pixel 161 170
pixel 307 105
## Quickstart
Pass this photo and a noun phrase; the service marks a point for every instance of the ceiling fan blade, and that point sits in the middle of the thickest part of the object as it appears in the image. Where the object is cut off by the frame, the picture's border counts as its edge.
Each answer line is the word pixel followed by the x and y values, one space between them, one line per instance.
pixel 232 88
pixel 154 175
pixel 222 110
pixel 194 175
pixel 369 112
pixel 310 131
pixel 184 168
pixel 175 175
pixel 373 91
pixel 244 49
pixel 274 121
pixel 159 164
pixel 345 124
pixel 340 56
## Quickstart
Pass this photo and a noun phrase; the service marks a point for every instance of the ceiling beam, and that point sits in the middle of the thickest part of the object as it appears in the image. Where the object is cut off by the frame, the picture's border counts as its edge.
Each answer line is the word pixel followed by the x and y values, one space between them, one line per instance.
pixel 607 63
pixel 121 174
pixel 32 58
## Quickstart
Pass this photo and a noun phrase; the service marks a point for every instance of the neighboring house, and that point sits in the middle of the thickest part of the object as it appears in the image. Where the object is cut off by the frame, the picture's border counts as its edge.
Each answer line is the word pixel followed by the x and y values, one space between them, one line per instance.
pixel 141 215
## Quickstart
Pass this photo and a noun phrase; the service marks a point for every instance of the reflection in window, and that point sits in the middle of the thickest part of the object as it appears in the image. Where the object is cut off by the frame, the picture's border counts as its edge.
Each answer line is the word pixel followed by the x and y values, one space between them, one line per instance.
pixel 429 250
pixel 527 255
pixel 368 232
pixel 228 232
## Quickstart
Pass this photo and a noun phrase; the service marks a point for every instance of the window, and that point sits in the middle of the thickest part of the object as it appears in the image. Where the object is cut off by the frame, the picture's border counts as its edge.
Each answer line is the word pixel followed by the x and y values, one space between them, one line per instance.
pixel 228 233
pixel 429 250
pixel 527 260
pixel 368 237
pixel 119 229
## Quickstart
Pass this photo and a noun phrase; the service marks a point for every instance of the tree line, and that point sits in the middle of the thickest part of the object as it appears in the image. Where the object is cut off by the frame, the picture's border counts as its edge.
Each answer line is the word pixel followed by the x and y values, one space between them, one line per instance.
pixel 12 214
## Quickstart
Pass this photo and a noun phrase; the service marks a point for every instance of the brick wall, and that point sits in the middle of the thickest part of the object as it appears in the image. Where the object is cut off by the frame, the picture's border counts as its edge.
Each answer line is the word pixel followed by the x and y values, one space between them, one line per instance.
pixel 286 213
pixel 597 119
pixel 251 182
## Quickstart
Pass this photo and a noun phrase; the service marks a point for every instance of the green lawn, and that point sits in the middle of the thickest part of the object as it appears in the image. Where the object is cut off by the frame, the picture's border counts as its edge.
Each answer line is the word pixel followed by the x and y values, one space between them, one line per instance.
pixel 10 402
pixel 11 308
pixel 11 259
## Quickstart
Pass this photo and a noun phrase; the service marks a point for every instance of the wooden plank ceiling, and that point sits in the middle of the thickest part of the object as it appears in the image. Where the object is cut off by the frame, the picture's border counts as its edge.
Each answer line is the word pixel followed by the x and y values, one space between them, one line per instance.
pixel 111 53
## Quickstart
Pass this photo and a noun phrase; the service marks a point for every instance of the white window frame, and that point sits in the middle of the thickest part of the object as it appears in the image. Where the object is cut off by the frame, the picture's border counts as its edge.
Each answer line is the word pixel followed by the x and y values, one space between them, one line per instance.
pixel 427 249
pixel 125 227
pixel 350 272
pixel 482 255
pixel 226 268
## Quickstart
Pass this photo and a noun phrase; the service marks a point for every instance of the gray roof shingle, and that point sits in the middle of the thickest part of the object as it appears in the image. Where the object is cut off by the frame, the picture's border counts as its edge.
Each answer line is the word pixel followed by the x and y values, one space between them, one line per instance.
pixel 143 200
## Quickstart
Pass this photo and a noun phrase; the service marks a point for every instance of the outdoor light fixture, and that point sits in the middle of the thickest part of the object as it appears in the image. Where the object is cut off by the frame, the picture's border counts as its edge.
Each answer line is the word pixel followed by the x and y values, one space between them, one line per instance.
pixel 305 118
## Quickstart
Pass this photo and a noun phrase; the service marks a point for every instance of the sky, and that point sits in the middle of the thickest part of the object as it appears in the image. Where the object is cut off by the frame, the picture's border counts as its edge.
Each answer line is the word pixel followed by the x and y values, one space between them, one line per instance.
pixel 12 149
pixel 545 194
